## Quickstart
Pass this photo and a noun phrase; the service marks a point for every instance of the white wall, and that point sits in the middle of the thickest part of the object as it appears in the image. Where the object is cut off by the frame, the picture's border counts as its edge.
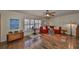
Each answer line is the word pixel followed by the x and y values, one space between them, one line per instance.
pixel 5 24
pixel 66 19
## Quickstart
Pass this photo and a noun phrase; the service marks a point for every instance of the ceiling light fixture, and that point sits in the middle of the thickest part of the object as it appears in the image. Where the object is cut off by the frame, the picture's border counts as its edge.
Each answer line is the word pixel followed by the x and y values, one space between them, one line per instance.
pixel 49 14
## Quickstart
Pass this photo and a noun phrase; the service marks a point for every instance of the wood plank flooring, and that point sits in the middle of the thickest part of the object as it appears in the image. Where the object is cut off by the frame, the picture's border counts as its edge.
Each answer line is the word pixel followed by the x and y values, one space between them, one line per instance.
pixel 43 41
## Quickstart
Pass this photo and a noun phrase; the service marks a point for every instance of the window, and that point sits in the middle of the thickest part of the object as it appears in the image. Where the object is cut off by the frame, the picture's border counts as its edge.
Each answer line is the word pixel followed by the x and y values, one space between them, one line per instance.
pixel 29 24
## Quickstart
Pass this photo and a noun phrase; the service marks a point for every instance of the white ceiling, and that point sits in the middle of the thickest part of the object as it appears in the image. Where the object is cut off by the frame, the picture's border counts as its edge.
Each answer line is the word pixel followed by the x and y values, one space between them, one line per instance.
pixel 41 12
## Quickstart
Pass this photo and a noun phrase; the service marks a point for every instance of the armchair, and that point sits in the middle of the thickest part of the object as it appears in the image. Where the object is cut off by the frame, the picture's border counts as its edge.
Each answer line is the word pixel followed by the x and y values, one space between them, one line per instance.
pixel 56 30
pixel 44 29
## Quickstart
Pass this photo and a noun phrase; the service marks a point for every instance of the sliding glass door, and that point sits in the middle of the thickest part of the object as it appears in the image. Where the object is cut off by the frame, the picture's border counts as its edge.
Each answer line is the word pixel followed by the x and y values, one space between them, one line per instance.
pixel 29 24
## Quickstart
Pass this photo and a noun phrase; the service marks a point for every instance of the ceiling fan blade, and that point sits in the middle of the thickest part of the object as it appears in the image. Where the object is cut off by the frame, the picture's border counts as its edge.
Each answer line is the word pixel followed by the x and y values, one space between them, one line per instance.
pixel 52 15
pixel 53 12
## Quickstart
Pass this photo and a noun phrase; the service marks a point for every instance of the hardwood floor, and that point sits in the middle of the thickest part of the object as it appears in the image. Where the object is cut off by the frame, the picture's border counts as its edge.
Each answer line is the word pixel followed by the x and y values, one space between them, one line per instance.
pixel 43 41
pixel 32 42
pixel 59 41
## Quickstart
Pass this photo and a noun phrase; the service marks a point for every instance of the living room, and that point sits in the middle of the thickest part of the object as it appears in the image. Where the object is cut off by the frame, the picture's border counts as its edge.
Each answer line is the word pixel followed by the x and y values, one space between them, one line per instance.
pixel 66 19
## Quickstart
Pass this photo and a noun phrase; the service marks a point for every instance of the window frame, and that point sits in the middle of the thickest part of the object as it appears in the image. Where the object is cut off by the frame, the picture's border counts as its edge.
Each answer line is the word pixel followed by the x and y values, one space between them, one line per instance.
pixel 29 25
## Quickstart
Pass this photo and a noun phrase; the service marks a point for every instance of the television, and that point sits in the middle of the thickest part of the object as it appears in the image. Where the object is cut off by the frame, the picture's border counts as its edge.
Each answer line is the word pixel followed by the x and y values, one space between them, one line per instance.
pixel 14 23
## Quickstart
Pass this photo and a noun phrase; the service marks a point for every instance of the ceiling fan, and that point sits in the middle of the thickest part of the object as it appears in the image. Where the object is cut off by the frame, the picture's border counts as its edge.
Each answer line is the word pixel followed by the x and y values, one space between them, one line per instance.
pixel 48 14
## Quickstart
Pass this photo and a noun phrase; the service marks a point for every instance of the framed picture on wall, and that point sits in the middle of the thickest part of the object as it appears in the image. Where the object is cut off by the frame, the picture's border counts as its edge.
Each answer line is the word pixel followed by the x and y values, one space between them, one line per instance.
pixel 14 23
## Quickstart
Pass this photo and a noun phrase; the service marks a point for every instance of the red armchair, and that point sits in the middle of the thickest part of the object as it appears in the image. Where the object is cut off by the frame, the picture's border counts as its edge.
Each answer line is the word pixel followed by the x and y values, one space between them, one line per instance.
pixel 57 30
pixel 44 30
